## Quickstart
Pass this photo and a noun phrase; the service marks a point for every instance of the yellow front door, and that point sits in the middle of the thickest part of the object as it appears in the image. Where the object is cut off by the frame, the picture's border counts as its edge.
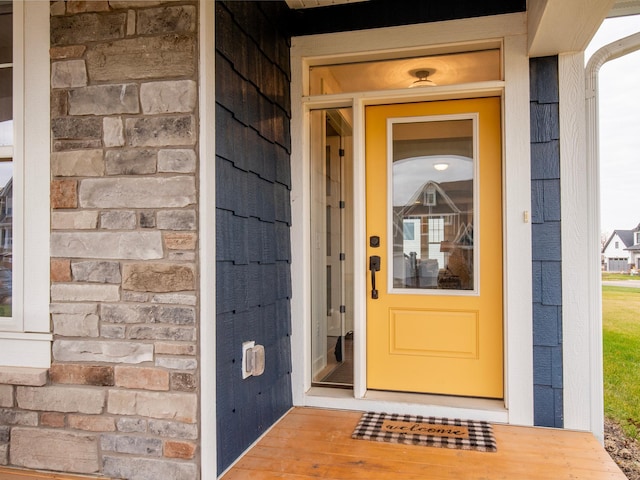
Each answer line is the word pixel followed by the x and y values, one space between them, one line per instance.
pixel 434 234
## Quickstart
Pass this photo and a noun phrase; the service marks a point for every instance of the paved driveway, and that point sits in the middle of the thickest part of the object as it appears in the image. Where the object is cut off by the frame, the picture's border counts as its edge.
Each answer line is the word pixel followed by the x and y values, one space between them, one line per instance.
pixel 622 283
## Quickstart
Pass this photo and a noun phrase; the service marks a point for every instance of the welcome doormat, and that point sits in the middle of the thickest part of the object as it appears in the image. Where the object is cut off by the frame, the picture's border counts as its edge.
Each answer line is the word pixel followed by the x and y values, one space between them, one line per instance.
pixel 426 431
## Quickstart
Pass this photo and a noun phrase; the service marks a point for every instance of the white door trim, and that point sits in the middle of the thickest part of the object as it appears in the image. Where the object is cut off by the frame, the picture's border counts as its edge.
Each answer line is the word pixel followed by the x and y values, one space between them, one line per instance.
pixel 510 31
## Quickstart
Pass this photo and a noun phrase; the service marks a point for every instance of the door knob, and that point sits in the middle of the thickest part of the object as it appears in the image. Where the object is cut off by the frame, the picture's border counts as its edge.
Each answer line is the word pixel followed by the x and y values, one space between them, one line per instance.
pixel 374 266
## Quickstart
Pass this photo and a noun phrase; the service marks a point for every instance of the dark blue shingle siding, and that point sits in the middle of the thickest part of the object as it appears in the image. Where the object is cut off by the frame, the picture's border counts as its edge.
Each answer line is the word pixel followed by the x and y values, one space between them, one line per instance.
pixel 253 254
pixel 546 242
pixel 546 165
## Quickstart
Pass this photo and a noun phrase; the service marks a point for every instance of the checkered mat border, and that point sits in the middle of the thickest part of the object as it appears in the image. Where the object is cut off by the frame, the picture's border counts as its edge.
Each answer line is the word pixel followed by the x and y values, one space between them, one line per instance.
pixel 480 433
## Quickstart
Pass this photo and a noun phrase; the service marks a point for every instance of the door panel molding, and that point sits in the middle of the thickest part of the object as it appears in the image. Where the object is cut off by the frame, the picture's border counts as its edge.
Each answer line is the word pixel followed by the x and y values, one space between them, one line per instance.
pixel 408 328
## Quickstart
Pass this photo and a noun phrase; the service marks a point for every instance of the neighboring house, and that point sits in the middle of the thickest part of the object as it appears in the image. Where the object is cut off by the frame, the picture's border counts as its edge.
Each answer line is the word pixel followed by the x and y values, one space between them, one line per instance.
pixel 6 222
pixel 622 250
pixel 634 249
pixel 192 176
pixel 6 244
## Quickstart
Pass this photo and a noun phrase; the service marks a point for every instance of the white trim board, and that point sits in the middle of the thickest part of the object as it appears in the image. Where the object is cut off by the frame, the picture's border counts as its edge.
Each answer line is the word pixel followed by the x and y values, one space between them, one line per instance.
pixel 576 254
pixel 576 416
pixel 207 240
pixel 508 30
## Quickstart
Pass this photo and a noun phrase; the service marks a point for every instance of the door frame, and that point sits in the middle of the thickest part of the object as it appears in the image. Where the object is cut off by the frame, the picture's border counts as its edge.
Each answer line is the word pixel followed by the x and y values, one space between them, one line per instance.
pixel 506 31
pixel 396 305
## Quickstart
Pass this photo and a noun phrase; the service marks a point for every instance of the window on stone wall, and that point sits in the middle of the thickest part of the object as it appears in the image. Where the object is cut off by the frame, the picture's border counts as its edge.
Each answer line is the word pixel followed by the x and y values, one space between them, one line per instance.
pixel 6 158
pixel 25 338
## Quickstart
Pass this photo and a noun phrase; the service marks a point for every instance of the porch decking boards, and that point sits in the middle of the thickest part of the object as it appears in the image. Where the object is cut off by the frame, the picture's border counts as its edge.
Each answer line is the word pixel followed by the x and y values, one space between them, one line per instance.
pixel 314 443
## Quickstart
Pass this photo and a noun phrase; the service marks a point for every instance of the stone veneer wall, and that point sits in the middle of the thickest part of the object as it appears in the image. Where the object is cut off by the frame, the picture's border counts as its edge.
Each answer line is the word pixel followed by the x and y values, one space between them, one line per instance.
pixel 121 396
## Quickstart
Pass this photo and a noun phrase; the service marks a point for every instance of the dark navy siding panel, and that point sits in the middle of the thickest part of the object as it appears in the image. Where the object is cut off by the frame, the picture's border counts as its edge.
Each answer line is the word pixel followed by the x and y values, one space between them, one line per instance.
pixel 234 183
pixel 551 200
pixel 546 243
pixel 268 242
pixel 547 160
pixel 542 375
pixel 556 368
pixel 253 179
pixel 282 204
pixel 551 273
pixel 537 282
pixel 283 241
pixel 224 290
pixel 558 401
pixel 283 166
pixel 545 122
pixel 537 201
pixel 387 13
pixel 545 85
pixel 223 235
pixel 546 319
pixel 545 408
pixel 255 234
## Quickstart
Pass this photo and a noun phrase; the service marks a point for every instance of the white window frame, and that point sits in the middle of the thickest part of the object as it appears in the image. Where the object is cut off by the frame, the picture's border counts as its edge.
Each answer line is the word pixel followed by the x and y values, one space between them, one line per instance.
pixel 25 338
pixel 473 117
pixel 511 31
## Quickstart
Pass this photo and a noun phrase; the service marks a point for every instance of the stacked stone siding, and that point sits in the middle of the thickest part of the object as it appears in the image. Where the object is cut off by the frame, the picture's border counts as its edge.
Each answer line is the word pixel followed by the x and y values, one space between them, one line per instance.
pixel 121 397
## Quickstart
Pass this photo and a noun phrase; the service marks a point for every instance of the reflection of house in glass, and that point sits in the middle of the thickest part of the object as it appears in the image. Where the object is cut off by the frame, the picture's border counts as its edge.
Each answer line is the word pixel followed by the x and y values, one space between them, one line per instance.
pixel 6 241
pixel 433 237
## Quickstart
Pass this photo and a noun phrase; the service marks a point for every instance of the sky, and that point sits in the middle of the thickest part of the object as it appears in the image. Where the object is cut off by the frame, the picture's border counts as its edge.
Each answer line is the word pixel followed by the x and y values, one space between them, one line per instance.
pixel 619 112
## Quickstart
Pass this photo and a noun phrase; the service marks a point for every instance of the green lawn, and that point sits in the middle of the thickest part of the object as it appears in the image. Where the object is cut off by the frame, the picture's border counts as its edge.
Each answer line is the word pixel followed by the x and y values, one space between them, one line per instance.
pixel 619 276
pixel 621 343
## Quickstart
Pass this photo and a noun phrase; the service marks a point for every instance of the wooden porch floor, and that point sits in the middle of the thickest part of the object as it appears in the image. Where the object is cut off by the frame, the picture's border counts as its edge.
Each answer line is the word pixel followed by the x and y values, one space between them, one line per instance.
pixel 314 443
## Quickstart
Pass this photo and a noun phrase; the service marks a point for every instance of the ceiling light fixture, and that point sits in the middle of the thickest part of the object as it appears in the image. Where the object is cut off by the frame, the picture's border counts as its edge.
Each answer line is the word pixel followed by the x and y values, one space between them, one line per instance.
pixel 440 166
pixel 423 79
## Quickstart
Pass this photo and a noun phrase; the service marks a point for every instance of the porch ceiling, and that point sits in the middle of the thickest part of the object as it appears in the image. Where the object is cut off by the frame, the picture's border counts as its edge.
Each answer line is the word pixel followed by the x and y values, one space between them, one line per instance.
pixel 559 26
pixel 555 26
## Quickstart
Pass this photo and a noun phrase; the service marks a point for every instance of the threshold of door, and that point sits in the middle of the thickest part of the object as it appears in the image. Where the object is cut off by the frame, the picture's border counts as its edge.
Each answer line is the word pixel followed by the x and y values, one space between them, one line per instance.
pixel 409 403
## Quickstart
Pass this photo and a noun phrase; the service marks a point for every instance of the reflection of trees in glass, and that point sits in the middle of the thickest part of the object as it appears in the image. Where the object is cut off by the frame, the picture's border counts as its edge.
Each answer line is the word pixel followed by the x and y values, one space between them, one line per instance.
pixel 6 154
pixel 6 245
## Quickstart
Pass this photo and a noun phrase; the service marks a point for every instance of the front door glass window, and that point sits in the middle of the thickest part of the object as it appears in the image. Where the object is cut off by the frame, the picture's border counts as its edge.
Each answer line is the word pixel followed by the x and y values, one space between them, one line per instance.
pixel 432 204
